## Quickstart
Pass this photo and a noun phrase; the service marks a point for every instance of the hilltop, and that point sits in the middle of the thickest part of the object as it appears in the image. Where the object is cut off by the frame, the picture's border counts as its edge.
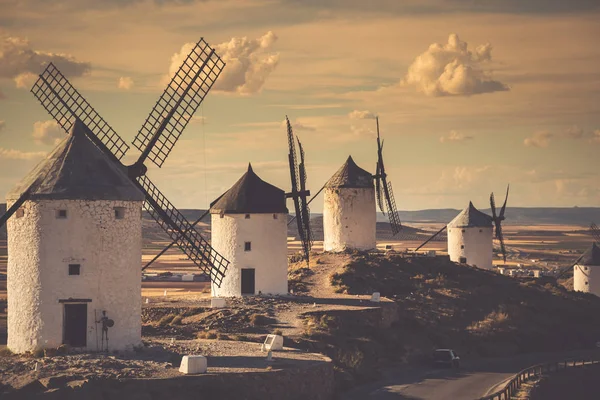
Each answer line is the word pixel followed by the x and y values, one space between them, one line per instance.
pixel 427 303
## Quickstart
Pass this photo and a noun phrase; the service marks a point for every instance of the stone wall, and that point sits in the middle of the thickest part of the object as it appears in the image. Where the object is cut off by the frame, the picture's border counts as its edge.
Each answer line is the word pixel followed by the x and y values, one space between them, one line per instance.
pixel 313 382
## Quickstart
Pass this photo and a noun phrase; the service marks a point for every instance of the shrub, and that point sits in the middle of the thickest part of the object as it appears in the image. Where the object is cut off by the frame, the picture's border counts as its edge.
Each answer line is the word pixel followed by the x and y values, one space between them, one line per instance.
pixel 278 332
pixel 176 320
pixel 207 335
pixel 260 320
pixel 5 352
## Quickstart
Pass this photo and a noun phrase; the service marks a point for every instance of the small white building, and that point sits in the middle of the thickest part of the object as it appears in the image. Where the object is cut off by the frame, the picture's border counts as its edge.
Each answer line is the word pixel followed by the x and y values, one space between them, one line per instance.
pixel 586 274
pixel 249 228
pixel 74 251
pixel 470 238
pixel 349 210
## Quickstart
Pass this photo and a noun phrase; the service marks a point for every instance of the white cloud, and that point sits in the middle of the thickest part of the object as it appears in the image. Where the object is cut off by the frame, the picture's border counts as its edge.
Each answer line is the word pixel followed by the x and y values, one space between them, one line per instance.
pixel 455 137
pixel 357 114
pixel 452 69
pixel 12 154
pixel 125 83
pixel 47 132
pixel 18 61
pixel 249 63
pixel 538 139
pixel 574 132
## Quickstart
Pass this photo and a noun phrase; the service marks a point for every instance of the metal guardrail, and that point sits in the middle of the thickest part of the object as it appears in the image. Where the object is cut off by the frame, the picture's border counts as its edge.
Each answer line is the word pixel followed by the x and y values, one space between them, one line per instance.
pixel 513 386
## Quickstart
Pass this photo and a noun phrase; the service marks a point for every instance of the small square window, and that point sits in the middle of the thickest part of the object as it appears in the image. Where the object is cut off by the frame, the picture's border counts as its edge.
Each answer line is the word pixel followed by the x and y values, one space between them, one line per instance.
pixel 74 269
pixel 61 214
pixel 247 216
pixel 247 246
pixel 119 212
pixel 462 246
pixel 274 216
pixel 20 213
pixel 463 231
pixel 481 230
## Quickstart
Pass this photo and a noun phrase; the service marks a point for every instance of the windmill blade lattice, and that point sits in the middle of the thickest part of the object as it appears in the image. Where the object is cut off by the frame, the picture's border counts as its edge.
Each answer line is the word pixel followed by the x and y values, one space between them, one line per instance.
pixel 308 236
pixel 180 230
pixel 178 103
pixel 384 189
pixel 65 104
pixel 298 181
pixel 595 232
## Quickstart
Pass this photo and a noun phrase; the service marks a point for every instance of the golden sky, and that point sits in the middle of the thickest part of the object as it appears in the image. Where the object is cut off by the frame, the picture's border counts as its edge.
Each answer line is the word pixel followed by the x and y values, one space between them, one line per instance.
pixel 470 95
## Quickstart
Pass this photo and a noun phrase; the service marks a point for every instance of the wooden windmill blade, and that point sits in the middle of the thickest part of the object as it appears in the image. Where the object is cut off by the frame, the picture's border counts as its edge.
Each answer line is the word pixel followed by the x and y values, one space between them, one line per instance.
pixel 65 104
pixel 305 211
pixel 595 231
pixel 182 232
pixel 299 192
pixel 383 184
pixel 178 103
pixel 497 218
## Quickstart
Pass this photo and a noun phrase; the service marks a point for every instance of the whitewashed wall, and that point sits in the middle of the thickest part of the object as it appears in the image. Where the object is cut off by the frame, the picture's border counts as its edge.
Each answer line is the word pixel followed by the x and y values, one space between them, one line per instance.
pixel 586 279
pixel 478 245
pixel 349 219
pixel 268 256
pixel 40 248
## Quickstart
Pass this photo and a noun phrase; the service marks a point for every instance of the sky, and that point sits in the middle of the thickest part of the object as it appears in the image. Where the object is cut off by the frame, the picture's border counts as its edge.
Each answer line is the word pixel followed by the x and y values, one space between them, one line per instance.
pixel 470 95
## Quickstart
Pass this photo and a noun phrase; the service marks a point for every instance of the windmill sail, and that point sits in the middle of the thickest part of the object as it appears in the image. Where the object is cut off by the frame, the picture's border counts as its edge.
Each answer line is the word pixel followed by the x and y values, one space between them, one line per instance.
pixel 385 195
pixel 156 139
pixel 497 219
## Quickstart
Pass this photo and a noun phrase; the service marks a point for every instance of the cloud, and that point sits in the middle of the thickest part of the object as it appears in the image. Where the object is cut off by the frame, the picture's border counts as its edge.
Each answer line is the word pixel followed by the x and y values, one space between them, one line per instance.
pixel 538 139
pixel 452 69
pixel 125 83
pixel 574 132
pixel 357 114
pixel 21 63
pixel 47 132
pixel 12 154
pixel 249 63
pixel 455 137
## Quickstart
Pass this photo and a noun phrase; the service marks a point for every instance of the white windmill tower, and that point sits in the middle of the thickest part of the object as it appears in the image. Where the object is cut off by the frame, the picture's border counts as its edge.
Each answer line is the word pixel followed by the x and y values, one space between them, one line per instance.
pixel 470 238
pixel 249 228
pixel 75 239
pixel 349 210
pixel 586 273
pixel 73 250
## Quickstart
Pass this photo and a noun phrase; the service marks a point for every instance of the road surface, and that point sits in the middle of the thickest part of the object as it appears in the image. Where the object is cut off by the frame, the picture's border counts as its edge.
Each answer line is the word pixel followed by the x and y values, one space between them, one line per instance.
pixel 472 381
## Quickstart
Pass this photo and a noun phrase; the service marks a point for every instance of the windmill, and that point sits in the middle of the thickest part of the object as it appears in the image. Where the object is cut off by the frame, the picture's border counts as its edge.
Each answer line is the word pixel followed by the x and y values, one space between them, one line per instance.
pixel 595 233
pixel 497 220
pixel 299 192
pixel 383 189
pixel 155 140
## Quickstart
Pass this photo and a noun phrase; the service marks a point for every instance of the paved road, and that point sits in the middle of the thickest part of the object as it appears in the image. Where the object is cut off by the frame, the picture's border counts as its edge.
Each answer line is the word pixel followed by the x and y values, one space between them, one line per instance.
pixel 472 381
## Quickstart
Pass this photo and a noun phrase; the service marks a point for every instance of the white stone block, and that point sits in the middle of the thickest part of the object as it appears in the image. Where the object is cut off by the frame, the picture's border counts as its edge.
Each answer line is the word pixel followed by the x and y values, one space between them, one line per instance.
pixel 193 365
pixel 273 343
pixel 217 302
pixel 187 278
pixel 375 297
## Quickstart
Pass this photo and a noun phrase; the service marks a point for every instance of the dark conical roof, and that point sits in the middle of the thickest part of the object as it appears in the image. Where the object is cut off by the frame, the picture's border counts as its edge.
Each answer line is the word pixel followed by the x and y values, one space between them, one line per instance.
pixel 350 175
pixel 592 256
pixel 250 195
pixel 77 170
pixel 471 217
